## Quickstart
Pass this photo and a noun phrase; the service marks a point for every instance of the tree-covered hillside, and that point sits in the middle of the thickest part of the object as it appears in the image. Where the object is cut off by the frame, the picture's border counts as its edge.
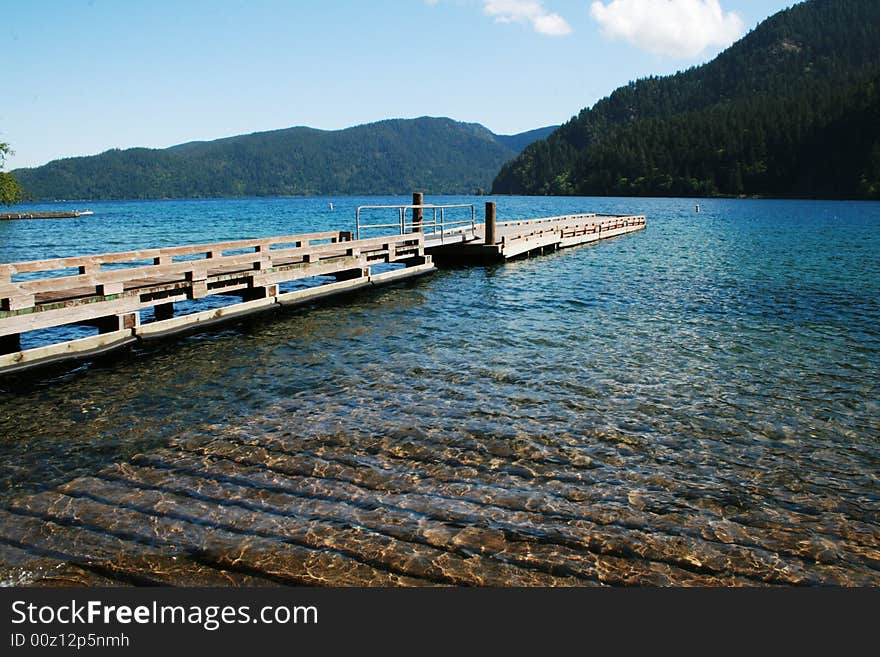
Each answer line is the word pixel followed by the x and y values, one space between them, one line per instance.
pixel 792 109
pixel 10 190
pixel 438 155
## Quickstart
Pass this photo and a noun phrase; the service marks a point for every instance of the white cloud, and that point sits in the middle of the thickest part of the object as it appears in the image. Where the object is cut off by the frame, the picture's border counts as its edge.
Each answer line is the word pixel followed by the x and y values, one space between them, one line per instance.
pixel 527 11
pixel 678 28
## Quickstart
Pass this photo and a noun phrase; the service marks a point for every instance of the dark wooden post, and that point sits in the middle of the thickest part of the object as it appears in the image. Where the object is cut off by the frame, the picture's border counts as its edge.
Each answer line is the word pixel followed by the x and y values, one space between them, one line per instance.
pixel 418 199
pixel 490 222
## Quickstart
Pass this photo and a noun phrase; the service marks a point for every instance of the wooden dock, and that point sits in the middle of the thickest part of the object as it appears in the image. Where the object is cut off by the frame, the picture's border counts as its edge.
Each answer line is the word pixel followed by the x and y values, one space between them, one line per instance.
pixel 131 296
pixel 66 214
pixel 109 291
pixel 465 240
pixel 514 239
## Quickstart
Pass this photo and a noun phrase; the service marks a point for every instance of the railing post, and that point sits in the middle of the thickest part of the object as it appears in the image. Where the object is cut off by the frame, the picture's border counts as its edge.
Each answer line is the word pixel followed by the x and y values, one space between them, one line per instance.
pixel 490 222
pixel 418 199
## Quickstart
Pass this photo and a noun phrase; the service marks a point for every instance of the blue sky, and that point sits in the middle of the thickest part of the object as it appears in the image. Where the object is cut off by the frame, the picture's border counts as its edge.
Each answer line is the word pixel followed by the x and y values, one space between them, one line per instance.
pixel 84 76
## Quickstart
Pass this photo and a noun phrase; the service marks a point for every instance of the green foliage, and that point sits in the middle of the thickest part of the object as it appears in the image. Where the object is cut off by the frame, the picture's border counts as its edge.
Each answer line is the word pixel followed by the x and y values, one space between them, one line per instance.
pixel 10 191
pixel 390 157
pixel 789 110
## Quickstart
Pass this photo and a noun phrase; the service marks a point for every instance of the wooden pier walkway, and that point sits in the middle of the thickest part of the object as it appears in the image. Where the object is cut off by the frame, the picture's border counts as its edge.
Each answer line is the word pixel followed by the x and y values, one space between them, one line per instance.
pixel 109 291
pixel 64 214
pixel 465 240
pixel 131 296
pixel 513 239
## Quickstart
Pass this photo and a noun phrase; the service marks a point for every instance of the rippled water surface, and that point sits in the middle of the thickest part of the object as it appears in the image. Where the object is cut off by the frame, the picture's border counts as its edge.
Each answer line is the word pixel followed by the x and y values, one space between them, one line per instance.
pixel 705 386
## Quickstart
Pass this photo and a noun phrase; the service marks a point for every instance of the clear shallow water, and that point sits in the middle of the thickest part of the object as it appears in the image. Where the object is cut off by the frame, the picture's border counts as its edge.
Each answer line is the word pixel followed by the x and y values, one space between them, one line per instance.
pixel 715 376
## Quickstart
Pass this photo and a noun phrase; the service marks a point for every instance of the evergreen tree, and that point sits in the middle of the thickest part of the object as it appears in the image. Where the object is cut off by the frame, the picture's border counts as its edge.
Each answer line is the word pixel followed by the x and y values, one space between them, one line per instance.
pixel 388 157
pixel 10 191
pixel 789 110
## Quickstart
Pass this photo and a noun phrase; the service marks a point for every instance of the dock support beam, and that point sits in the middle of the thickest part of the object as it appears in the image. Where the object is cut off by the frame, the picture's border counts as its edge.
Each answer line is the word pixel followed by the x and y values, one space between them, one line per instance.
pixel 418 213
pixel 490 222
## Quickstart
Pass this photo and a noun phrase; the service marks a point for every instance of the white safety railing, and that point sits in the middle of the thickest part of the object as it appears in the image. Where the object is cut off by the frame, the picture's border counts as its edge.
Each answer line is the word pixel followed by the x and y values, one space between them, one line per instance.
pixel 435 224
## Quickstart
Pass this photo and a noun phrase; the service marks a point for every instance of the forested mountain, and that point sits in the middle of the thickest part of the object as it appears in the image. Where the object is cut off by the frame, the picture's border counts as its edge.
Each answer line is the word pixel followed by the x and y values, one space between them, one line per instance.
pixel 523 139
pixel 437 155
pixel 792 109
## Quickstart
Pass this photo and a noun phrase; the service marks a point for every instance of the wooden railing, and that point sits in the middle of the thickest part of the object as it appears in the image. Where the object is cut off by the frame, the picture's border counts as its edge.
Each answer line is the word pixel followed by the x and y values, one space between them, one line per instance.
pixel 116 286
pixel 164 255
pixel 565 226
pixel 105 275
pixel 502 225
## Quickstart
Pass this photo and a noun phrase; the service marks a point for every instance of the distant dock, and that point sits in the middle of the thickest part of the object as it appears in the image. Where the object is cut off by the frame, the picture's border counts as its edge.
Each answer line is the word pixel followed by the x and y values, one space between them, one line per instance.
pixel 109 292
pixel 11 216
pixel 466 241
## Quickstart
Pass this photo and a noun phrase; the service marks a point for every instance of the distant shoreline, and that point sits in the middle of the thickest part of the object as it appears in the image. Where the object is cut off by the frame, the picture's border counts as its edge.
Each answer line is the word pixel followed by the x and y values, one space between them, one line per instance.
pixel 744 197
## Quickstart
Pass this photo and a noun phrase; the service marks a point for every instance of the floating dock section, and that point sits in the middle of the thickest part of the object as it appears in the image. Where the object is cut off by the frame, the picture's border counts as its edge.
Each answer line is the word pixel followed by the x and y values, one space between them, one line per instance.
pixel 499 241
pixel 110 291
pixel 71 214
pixel 131 296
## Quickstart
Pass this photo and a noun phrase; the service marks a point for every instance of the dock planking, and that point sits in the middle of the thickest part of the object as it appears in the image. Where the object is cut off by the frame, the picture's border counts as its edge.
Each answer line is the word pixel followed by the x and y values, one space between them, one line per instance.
pixel 513 239
pixel 109 292
pixel 65 214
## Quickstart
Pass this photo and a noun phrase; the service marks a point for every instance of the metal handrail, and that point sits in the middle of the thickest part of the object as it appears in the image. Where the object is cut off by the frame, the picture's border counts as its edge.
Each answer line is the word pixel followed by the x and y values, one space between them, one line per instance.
pixel 401 223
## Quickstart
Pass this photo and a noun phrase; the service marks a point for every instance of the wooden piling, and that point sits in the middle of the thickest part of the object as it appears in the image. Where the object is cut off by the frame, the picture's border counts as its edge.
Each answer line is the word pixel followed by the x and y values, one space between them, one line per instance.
pixel 490 222
pixel 418 213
